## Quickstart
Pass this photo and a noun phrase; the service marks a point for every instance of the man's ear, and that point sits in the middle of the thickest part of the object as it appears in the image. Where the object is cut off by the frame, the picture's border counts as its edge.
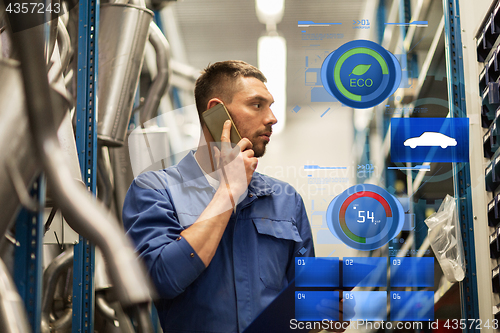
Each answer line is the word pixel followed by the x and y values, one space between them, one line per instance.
pixel 213 102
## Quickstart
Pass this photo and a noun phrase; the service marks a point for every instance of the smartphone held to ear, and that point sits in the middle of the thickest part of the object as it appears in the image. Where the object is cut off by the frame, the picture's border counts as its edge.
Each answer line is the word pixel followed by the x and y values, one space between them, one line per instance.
pixel 214 118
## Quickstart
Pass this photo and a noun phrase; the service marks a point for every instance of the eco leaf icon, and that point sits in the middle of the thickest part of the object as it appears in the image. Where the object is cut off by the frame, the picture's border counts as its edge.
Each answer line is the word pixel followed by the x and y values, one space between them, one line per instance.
pixel 360 69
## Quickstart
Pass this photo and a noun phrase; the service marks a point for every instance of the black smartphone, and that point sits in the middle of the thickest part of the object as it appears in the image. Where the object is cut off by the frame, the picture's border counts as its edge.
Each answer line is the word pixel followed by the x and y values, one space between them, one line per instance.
pixel 214 118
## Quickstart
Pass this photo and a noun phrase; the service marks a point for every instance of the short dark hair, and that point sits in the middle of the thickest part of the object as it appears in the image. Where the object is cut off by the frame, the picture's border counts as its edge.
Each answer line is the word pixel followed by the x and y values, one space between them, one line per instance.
pixel 220 79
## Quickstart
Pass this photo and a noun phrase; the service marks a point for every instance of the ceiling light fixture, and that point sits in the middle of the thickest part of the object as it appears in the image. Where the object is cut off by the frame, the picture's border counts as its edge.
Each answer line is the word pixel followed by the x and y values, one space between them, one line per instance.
pixel 270 12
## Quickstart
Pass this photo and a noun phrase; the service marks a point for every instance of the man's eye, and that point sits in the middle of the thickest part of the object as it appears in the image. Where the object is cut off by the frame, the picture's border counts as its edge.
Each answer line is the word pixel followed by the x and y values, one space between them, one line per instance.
pixel 257 106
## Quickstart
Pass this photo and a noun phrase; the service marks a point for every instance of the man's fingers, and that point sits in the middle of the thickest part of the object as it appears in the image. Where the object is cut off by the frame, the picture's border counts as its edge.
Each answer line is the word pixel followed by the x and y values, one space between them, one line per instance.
pixel 255 162
pixel 245 144
pixel 216 155
pixel 226 131
pixel 225 138
pixel 249 153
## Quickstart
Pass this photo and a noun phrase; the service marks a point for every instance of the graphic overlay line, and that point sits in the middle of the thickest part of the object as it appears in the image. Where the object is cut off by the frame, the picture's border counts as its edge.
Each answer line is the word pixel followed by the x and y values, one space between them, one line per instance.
pixel 305 24
pixel 415 23
pixel 317 167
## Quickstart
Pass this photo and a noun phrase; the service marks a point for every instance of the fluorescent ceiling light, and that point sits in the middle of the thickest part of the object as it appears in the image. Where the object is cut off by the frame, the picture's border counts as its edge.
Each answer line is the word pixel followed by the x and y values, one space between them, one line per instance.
pixel 272 62
pixel 270 11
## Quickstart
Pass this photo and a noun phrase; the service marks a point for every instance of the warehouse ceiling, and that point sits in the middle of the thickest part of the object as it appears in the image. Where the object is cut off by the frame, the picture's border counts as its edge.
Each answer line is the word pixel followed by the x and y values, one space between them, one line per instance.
pixel 218 30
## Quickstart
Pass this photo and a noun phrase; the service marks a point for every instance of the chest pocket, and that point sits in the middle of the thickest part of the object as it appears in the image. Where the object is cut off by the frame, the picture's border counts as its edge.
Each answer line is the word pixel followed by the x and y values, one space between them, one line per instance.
pixel 276 240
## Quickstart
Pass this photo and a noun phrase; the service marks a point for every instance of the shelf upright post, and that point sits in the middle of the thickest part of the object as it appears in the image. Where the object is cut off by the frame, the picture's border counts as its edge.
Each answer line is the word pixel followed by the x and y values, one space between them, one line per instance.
pixel 461 171
pixel 86 141
pixel 28 256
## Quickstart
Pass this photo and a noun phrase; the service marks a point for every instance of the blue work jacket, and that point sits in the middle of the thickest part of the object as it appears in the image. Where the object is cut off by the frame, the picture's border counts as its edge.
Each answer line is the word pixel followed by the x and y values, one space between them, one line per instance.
pixel 253 262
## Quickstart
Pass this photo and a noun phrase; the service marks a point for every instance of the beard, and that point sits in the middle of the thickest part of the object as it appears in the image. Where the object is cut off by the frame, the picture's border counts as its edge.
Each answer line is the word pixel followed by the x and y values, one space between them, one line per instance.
pixel 259 149
pixel 259 144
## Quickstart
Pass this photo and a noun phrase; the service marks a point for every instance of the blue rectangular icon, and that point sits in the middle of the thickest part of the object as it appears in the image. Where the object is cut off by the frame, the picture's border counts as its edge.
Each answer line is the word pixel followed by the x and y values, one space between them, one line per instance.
pixel 316 272
pixel 412 305
pixel 365 305
pixel 429 140
pixel 412 272
pixel 317 305
pixel 364 272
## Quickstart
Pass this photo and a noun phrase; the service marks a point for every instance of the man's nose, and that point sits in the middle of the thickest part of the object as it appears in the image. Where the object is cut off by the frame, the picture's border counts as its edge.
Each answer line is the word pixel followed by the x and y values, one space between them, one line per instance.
pixel 270 118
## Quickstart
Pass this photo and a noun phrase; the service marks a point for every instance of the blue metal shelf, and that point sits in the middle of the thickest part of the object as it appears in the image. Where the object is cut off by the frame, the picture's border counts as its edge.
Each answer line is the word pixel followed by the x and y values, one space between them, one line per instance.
pixel 86 141
pixel 456 97
pixel 28 256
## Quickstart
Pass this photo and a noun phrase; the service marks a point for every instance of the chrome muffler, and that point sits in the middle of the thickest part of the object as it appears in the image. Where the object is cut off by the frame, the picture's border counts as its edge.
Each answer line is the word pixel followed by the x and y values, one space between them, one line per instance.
pixel 18 163
pixel 123 33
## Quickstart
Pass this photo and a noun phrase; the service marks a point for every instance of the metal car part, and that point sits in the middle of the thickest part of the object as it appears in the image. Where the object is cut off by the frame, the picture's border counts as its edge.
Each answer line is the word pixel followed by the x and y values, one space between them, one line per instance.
pixel 122 174
pixel 13 317
pixel 15 140
pixel 120 157
pixel 61 263
pixel 123 32
pixel 86 216
pixel 6 43
pixel 64 43
pixel 53 31
pixel 105 308
pixel 102 281
pixel 160 83
pixel 66 137
pixel 105 187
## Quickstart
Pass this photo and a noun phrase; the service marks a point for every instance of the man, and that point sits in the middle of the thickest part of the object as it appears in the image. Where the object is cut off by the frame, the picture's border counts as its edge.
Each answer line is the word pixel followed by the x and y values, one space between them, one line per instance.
pixel 219 239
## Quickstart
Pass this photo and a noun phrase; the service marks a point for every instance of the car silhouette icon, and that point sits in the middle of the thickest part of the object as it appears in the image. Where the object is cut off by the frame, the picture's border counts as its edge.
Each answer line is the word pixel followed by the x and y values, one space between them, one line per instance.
pixel 431 139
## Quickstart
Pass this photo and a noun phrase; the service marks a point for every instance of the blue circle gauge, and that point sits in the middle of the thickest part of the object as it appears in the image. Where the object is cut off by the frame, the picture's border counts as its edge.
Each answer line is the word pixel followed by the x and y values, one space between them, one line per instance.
pixel 361 74
pixel 365 217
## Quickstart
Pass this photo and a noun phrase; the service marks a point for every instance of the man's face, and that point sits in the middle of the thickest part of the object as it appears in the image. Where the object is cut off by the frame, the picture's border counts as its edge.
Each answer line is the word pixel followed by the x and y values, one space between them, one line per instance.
pixel 251 112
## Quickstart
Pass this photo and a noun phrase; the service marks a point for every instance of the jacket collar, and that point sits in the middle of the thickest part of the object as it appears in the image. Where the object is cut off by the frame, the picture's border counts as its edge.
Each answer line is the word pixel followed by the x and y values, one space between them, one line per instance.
pixel 190 172
pixel 259 186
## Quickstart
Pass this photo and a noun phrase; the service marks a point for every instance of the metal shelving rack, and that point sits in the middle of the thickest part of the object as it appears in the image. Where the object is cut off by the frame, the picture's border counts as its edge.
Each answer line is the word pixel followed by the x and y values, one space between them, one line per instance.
pixel 453 36
pixel 86 141
pixel 29 224
pixel 479 16
pixel 28 255
pixel 452 42
pixel 456 99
